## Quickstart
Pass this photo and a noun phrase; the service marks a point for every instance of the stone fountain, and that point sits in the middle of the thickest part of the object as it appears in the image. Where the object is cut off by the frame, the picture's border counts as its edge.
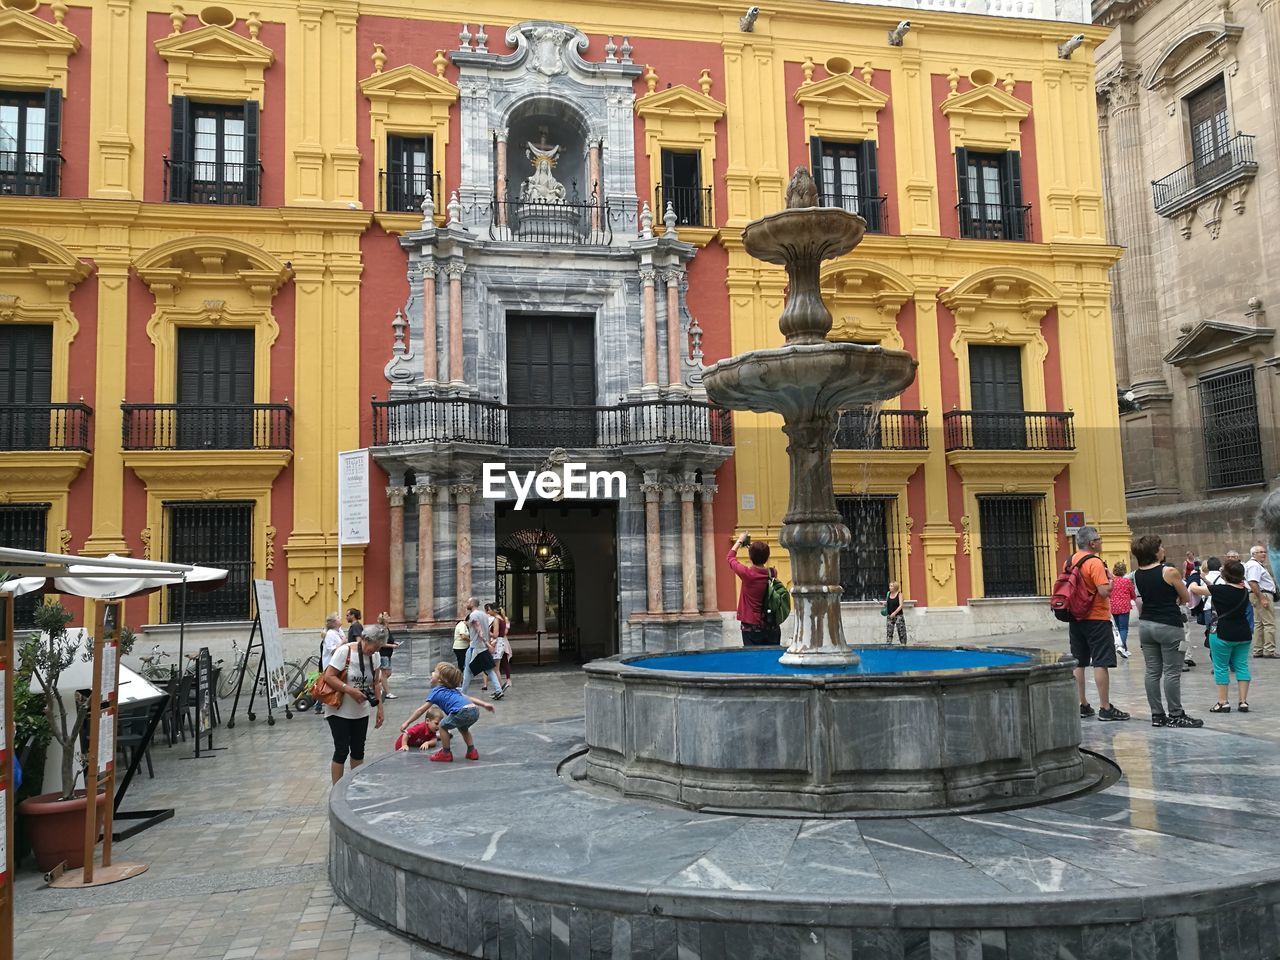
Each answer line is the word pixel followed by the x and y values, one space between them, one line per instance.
pixel 808 381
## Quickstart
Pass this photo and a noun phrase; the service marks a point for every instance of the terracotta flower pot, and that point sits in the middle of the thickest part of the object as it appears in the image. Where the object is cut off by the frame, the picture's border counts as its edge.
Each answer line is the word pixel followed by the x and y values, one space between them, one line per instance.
pixel 56 827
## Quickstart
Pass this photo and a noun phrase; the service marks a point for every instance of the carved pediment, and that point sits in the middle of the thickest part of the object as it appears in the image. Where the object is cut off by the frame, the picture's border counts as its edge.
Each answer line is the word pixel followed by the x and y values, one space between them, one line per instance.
pixel 27 256
pixel 1001 289
pixel 865 301
pixel 1190 49
pixel 841 106
pixel 680 101
pixel 1212 340
pixel 409 82
pixel 33 53
pixel 985 116
pixel 215 62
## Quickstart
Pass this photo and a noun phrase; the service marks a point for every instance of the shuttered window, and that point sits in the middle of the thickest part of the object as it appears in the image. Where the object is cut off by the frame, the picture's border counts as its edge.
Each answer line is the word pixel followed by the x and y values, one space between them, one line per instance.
pixel 1210 130
pixel 551 364
pixel 215 389
pixel 682 187
pixel 30 139
pixel 409 172
pixel 989 190
pixel 847 177
pixel 26 378
pixel 213 153
pixel 995 392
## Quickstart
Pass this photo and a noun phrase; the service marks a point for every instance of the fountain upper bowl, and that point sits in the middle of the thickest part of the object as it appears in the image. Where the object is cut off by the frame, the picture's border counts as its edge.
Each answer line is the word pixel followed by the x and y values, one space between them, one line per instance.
pixel 803 233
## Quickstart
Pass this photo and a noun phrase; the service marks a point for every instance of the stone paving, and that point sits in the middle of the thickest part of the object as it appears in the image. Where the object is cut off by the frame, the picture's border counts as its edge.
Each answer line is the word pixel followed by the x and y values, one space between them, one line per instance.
pixel 240 871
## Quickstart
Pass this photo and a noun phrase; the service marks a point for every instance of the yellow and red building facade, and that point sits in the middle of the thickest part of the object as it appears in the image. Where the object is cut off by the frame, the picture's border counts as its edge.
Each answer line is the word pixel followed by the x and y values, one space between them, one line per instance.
pixel 971 148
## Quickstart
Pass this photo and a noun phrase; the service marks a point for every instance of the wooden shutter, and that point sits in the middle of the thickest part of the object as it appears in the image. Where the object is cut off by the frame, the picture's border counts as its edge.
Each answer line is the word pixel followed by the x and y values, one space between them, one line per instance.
pixel 52 141
pixel 962 190
pixel 1011 182
pixel 815 167
pixel 180 141
pixel 995 378
pixel 869 186
pixel 26 363
pixel 394 187
pixel 251 178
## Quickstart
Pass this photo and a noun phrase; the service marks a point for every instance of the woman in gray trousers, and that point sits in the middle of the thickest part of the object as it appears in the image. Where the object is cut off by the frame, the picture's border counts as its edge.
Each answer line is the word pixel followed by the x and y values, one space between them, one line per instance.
pixel 1162 631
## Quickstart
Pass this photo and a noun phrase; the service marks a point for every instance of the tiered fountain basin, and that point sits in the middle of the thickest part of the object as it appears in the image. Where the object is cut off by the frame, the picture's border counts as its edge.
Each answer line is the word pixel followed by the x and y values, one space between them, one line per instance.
pixel 903 730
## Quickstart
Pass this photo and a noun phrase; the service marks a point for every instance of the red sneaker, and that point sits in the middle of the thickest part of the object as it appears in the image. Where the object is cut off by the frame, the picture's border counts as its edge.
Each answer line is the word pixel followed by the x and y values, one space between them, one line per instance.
pixel 473 754
pixel 442 756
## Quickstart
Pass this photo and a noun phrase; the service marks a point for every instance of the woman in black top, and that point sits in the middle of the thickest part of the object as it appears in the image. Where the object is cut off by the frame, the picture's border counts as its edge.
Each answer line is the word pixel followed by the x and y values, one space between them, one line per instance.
pixel 1161 631
pixel 1229 636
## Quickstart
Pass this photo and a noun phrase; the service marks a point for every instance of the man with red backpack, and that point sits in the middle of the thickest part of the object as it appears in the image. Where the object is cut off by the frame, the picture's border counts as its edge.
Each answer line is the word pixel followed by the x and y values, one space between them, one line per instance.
pixel 1091 641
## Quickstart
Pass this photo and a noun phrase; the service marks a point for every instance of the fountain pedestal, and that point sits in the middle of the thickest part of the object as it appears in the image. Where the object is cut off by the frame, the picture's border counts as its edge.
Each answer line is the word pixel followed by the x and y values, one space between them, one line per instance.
pixel 808 381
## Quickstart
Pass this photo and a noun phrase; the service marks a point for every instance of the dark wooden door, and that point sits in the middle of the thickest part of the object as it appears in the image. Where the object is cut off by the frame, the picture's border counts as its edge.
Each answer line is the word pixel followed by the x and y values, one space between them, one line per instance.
pixel 551 381
pixel 215 389
pixel 995 389
pixel 26 379
pixel 1210 131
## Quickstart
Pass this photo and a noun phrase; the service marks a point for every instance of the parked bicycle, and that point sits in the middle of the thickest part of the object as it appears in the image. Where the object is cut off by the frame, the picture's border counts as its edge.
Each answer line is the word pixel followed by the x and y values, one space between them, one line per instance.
pixel 153 667
pixel 229 678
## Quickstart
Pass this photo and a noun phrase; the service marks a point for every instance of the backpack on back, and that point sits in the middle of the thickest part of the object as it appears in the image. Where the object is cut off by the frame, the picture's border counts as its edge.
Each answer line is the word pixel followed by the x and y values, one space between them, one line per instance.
pixel 1072 596
pixel 777 602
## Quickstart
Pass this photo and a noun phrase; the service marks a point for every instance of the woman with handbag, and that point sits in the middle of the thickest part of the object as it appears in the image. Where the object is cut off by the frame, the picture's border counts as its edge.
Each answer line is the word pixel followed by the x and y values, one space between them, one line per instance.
pixel 351 691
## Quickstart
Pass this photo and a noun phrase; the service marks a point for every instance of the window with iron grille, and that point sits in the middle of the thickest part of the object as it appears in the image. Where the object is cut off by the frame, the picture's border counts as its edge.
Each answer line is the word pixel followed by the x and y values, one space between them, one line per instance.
pixel 1229 421
pixel 846 177
pixel 682 188
pixel 213 153
pixel 1013 538
pixel 409 174
pixel 24 526
pixel 873 557
pixel 989 190
pixel 211 533
pixel 30 136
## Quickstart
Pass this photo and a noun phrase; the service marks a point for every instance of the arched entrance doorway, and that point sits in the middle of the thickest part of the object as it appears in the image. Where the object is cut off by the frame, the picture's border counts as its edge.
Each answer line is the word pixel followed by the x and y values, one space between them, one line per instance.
pixel 536 587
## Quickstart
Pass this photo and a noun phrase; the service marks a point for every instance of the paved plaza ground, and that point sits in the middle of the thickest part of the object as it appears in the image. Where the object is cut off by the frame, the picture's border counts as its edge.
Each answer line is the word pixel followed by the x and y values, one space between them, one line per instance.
pixel 240 871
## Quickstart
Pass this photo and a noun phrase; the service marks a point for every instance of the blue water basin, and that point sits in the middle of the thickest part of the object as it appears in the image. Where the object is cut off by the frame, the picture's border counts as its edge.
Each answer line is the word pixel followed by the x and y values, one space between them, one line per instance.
pixel 873 660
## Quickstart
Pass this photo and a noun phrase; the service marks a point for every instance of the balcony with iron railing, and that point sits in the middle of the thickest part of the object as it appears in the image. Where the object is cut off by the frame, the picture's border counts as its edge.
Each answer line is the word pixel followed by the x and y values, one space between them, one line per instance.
pixel 198 181
pixel 1205 176
pixel 870 209
pixel 44 426
pixel 994 222
pixel 692 205
pixel 889 430
pixel 26 174
pixel 438 420
pixel 189 426
pixel 1000 430
pixel 404 192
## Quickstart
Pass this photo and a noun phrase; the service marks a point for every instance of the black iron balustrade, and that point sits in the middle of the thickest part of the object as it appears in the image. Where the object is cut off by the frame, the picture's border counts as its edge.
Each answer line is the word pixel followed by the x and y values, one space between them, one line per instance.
pixel 1013 430
pixel 586 222
pixel 190 426
pixel 200 181
pixel 994 222
pixel 463 420
pixel 27 174
pixel 869 208
pixel 889 430
pixel 692 205
pixel 1234 161
pixel 404 192
pixel 44 426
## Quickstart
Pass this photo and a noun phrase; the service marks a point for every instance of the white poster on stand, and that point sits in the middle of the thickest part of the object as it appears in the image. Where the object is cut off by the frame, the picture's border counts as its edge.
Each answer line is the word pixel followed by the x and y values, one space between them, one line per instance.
pixel 353 496
pixel 108 670
pixel 106 740
pixel 264 592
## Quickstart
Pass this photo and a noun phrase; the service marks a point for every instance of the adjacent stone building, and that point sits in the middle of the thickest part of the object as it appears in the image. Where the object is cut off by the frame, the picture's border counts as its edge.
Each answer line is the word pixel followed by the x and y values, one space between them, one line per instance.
pixel 1189 118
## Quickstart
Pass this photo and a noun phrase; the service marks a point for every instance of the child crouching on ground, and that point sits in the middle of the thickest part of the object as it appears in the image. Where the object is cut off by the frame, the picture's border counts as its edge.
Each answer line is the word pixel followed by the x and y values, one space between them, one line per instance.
pixel 422 733
pixel 460 711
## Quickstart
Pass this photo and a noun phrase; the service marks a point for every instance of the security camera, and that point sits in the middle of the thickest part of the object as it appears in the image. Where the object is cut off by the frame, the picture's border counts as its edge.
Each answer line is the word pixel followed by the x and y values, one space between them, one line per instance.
pixel 1066 49
pixel 898 32
pixel 747 22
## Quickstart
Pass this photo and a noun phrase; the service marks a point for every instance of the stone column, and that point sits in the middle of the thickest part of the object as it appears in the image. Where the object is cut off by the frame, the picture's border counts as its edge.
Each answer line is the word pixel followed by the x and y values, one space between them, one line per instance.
pixel 426 553
pixel 710 555
pixel 430 355
pixel 455 270
pixel 1271 28
pixel 462 493
pixel 648 277
pixel 672 280
pixel 500 179
pixel 395 545
pixel 652 491
pixel 1131 192
pixel 688 546
pixel 595 188
pixel 442 511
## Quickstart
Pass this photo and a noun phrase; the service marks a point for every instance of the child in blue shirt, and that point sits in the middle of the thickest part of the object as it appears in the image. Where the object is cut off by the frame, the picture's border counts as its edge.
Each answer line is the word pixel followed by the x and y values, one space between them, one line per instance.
pixel 460 711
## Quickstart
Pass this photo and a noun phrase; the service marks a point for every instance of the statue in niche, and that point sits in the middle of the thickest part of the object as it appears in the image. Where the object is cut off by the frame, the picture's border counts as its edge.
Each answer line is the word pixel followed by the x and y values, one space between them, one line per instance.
pixel 542 187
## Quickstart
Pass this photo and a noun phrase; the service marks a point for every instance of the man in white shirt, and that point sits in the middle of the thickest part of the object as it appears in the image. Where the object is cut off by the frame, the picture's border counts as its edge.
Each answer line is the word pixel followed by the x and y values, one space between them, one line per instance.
pixel 1262 592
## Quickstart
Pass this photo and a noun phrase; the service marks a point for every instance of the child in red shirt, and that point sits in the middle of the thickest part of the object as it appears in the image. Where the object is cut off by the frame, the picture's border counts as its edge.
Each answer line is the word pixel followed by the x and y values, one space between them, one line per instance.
pixel 423 734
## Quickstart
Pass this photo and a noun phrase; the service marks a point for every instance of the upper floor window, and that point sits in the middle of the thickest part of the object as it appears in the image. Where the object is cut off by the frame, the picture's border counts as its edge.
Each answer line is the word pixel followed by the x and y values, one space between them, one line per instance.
pixel 409 174
pixel 1229 421
pixel 682 187
pixel 847 178
pixel 1210 130
pixel 30 165
pixel 213 156
pixel 989 190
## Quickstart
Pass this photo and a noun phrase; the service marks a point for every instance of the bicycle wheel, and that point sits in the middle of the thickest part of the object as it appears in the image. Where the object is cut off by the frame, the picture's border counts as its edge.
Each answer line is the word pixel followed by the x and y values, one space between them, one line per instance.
pixel 295 678
pixel 227 680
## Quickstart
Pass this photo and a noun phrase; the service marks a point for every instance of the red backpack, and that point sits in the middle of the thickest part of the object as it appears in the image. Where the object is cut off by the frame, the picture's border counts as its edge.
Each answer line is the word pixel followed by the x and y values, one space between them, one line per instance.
pixel 1072 594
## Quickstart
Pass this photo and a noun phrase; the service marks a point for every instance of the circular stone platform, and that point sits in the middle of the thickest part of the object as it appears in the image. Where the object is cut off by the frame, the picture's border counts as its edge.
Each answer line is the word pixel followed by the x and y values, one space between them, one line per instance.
pixel 904 729
pixel 502 858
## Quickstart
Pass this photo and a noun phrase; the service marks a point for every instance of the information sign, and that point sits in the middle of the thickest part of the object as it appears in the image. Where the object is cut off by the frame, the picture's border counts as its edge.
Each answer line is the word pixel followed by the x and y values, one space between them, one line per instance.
pixel 264 592
pixel 1072 521
pixel 353 496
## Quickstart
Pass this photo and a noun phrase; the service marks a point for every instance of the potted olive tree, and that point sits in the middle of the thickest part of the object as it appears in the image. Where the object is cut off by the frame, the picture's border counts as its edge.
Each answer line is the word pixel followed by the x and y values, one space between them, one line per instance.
pixel 53 820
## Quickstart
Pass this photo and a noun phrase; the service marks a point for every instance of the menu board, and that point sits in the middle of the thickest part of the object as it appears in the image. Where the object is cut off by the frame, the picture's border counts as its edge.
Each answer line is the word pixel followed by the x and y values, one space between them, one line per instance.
pixel 272 648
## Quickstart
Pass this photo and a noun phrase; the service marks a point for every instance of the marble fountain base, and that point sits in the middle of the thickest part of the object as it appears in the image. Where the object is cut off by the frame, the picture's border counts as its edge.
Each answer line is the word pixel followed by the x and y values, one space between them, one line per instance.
pixel 510 857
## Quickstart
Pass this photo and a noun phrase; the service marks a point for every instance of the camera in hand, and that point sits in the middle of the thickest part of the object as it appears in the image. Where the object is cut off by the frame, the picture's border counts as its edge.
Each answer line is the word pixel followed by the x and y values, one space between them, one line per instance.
pixel 370 697
pixel 746 539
